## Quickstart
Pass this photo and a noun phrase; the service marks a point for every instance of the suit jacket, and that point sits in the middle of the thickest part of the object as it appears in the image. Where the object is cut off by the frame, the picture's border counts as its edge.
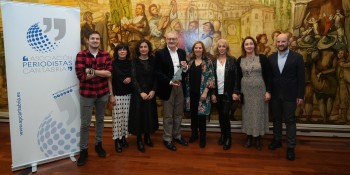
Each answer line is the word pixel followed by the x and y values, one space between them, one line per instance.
pixel 290 84
pixel 231 78
pixel 165 71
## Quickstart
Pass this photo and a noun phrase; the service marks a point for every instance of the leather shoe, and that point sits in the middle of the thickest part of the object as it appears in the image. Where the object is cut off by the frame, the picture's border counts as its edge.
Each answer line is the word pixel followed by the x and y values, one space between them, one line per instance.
pixel 181 141
pixel 147 140
pixel 290 154
pixel 83 157
pixel 275 144
pixel 170 145
pixel 124 142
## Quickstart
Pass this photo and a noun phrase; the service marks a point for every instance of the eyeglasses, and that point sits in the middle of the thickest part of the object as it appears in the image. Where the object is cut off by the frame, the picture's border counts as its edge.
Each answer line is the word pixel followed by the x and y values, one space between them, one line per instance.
pixel 171 39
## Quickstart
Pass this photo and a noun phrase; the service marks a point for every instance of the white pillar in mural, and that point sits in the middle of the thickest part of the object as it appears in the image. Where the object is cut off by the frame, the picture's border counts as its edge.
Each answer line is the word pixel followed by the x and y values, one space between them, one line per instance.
pixel 41 43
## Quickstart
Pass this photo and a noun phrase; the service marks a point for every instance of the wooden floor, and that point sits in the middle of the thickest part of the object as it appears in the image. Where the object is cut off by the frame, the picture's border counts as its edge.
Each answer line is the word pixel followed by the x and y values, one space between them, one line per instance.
pixel 314 155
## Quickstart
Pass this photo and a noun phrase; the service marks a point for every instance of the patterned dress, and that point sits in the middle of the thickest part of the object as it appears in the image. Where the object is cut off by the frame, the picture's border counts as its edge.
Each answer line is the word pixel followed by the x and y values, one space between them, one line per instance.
pixel 254 110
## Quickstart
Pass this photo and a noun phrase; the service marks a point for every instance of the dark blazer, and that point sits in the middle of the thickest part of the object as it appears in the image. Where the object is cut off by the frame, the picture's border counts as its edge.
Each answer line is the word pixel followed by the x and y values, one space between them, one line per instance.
pixel 265 69
pixel 165 71
pixel 290 84
pixel 231 78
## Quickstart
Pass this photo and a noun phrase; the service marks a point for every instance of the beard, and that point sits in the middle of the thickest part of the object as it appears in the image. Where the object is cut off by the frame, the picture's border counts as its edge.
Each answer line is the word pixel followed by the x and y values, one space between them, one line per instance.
pixel 282 48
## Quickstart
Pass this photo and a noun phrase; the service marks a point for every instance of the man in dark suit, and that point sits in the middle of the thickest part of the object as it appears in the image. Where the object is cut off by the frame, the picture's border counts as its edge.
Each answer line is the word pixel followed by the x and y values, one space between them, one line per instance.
pixel 288 86
pixel 169 60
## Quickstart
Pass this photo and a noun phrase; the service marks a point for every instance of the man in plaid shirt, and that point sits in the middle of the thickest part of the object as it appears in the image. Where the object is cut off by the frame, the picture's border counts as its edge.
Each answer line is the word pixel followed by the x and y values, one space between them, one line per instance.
pixel 93 67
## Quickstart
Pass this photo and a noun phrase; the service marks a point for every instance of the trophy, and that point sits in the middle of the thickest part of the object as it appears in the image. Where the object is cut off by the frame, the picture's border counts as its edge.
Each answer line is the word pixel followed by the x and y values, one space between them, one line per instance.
pixel 177 76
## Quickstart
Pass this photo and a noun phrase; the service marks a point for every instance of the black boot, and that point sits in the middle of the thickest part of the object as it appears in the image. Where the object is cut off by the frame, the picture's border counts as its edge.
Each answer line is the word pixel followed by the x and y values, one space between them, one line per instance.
pixel 221 139
pixel 140 145
pixel 117 145
pixel 227 143
pixel 99 150
pixel 249 141
pixel 147 140
pixel 258 143
pixel 124 142
pixel 82 157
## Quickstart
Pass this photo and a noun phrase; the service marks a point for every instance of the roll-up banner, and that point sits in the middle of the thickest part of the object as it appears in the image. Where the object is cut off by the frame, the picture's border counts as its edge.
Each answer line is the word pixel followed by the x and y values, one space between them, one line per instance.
pixel 41 43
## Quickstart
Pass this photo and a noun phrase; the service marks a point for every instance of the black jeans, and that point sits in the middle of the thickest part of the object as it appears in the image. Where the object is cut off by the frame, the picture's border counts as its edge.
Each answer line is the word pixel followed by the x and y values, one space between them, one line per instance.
pixel 224 107
pixel 197 121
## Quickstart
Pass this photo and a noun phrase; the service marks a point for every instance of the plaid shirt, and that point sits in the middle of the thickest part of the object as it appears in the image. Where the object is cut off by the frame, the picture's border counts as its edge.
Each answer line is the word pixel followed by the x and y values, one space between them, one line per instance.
pixel 97 86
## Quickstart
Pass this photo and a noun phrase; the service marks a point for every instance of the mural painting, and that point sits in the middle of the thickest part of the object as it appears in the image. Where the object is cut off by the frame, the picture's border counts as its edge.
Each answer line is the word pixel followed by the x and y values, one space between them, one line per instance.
pixel 318 29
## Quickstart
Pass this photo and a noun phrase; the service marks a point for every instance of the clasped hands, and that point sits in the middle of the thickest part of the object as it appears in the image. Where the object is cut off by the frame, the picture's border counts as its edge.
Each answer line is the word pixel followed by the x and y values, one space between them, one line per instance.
pixel 148 96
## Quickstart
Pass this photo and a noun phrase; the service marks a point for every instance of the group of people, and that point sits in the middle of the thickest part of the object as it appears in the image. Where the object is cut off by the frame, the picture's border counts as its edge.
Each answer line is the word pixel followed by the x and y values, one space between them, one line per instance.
pixel 132 84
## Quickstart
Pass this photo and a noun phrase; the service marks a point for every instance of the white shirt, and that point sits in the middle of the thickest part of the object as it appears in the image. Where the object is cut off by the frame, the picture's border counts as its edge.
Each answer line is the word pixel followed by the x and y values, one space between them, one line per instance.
pixel 175 59
pixel 281 60
pixel 220 73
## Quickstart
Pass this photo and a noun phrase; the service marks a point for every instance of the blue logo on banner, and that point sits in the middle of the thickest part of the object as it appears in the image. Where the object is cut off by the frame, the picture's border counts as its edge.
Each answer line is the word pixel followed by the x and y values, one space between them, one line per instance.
pixel 38 39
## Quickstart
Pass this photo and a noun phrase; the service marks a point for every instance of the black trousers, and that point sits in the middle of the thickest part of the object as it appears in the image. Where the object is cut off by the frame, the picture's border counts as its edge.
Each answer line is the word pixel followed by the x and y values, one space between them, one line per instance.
pixel 224 107
pixel 282 109
pixel 198 122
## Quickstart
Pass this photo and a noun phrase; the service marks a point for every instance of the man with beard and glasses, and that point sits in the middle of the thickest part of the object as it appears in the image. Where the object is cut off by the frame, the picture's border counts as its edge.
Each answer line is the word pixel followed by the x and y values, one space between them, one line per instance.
pixel 169 61
pixel 288 88
pixel 93 68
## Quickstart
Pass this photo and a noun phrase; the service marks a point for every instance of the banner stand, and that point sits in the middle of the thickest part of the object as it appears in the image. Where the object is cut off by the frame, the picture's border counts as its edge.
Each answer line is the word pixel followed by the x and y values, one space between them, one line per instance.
pixel 41 42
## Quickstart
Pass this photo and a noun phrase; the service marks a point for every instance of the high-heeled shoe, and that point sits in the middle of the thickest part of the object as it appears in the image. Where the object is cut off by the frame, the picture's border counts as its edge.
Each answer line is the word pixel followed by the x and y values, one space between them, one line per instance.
pixel 258 143
pixel 249 141
pixel 124 143
pixel 227 143
pixel 147 140
pixel 117 145
pixel 140 145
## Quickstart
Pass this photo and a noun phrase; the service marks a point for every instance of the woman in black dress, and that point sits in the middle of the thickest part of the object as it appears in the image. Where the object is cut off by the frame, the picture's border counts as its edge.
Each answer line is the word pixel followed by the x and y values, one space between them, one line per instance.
pixel 143 118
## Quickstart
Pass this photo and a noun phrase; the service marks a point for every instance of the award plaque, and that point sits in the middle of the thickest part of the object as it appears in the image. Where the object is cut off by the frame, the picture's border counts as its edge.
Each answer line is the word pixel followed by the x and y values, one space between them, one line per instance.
pixel 177 76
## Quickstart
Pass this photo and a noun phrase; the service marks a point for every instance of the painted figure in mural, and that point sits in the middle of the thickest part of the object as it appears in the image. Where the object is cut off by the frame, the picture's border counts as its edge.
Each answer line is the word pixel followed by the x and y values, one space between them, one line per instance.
pixel 225 91
pixel 158 24
pixel 93 68
pixel 323 75
pixel 344 85
pixel 263 48
pixel 214 46
pixel 315 27
pixel 287 92
pixel 169 61
pixel 177 27
pixel 143 117
pixel 86 28
pixel 207 35
pixel 191 35
pixel 327 23
pixel 306 47
pixel 273 44
pixel 254 75
pixel 137 27
pixel 119 95
pixel 199 80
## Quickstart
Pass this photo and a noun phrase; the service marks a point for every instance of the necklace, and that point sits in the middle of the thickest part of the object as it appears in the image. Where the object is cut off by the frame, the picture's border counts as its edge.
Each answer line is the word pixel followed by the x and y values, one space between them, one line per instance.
pixel 249 62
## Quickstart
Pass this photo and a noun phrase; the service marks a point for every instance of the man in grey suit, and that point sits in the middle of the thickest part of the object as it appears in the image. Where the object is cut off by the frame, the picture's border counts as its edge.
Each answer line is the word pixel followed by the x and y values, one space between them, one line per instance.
pixel 169 60
pixel 288 86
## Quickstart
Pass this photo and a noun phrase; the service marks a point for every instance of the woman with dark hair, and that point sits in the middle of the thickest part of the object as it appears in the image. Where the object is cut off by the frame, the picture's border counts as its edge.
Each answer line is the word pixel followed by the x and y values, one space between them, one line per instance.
pixel 120 93
pixel 225 73
pixel 143 118
pixel 199 79
pixel 255 84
